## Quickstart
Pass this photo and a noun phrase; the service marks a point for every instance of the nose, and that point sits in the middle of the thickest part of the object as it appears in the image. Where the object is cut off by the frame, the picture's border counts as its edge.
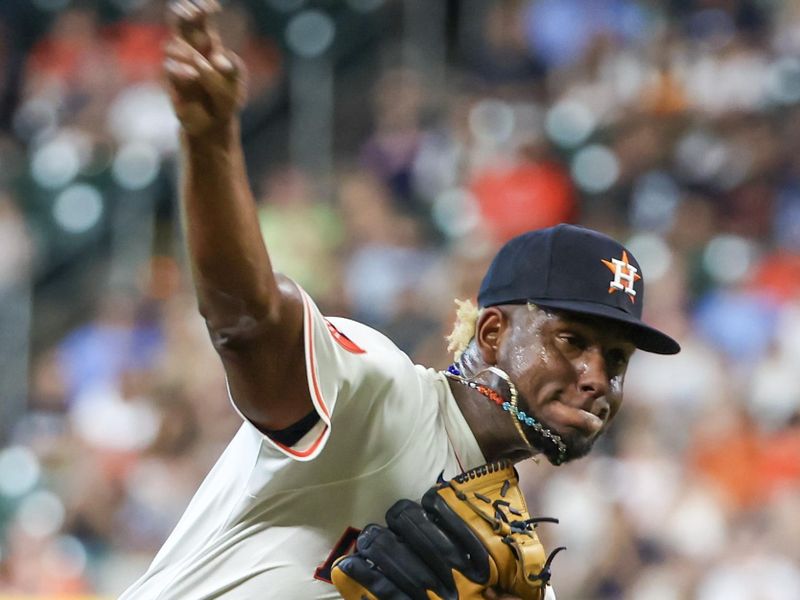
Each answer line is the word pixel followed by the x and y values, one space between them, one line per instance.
pixel 592 374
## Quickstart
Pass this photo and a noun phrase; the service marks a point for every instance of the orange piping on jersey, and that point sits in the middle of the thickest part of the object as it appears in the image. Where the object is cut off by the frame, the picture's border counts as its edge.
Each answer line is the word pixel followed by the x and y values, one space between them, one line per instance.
pixel 344 341
pixel 311 366
pixel 312 363
pixel 307 451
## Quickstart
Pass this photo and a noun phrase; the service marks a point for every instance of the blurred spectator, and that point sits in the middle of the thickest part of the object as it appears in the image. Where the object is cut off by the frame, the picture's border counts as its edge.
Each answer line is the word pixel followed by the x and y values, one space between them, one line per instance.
pixel 389 153
pixel 500 55
pixel 99 352
pixel 116 419
pixel 70 52
pixel 726 451
pixel 137 41
pixel 386 254
pixel 73 68
pixel 532 193
pixel 261 56
pixel 586 21
pixel 304 232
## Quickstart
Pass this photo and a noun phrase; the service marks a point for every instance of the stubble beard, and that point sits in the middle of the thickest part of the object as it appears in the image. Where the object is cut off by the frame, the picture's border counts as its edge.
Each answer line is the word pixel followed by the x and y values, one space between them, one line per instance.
pixel 577 444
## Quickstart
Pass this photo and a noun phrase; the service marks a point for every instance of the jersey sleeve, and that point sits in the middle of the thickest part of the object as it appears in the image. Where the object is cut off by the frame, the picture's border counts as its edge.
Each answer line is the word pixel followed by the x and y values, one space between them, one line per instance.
pixel 345 362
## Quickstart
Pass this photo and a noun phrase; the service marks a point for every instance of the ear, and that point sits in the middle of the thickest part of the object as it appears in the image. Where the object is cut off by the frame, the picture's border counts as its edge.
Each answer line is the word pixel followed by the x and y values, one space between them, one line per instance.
pixel 488 332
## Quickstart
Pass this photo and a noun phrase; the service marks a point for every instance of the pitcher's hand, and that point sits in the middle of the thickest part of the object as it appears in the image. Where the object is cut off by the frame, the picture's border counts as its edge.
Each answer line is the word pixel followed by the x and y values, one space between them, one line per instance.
pixel 205 80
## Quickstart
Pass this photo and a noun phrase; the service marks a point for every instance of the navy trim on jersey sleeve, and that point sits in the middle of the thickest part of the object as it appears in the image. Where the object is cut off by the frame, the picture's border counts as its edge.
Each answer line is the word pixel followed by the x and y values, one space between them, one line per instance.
pixel 295 432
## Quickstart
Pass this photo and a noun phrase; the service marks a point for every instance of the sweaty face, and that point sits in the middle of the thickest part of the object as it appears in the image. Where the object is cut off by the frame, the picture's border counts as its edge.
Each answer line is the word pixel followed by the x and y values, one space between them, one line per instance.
pixel 569 370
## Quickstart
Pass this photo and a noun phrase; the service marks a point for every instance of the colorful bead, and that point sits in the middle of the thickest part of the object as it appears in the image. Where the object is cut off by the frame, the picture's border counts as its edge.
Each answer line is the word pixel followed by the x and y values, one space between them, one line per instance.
pixel 520 416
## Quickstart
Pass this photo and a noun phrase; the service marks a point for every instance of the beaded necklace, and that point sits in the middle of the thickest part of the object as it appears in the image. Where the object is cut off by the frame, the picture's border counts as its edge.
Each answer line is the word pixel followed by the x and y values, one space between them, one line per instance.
pixel 518 417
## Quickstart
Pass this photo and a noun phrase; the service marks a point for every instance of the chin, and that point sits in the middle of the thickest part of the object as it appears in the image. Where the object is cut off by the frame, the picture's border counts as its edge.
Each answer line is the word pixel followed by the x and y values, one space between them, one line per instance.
pixel 578 445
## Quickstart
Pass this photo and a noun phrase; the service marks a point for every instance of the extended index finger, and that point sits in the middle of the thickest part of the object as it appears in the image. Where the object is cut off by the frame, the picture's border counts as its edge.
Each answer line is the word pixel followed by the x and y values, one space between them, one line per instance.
pixel 192 21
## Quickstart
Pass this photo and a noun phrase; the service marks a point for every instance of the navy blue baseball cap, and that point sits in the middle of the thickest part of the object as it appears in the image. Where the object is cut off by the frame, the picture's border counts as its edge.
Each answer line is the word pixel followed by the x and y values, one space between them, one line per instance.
pixel 576 269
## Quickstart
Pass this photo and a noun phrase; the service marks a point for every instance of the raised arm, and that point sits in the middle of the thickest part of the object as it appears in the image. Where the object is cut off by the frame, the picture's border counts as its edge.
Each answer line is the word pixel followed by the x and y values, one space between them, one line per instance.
pixel 254 318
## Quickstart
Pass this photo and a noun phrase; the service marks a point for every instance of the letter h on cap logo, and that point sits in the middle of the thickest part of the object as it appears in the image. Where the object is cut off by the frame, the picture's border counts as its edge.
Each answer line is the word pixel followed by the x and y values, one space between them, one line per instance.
pixel 623 271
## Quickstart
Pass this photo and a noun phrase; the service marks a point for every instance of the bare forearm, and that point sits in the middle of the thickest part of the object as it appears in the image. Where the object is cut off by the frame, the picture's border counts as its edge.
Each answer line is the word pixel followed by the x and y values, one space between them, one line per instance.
pixel 255 319
pixel 231 267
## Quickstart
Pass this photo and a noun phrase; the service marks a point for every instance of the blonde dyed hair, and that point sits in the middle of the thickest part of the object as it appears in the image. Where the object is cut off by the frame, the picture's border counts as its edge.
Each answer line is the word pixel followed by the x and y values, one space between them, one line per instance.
pixel 464 328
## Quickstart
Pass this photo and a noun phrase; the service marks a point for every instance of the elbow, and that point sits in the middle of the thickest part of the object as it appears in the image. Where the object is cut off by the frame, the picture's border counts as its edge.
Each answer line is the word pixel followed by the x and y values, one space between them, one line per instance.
pixel 233 324
pixel 236 322
pixel 233 334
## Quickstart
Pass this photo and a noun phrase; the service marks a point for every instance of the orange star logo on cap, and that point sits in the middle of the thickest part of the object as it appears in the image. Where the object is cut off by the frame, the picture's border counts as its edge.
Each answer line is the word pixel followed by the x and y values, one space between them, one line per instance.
pixel 625 275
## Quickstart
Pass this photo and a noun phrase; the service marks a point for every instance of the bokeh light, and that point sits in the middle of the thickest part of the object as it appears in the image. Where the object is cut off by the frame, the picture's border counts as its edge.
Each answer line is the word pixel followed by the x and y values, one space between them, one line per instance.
pixel 784 81
pixel 142 112
pixel 55 163
pixel 135 166
pixel 19 471
pixel 491 121
pixel 310 33
pixel 653 253
pixel 569 123
pixel 78 208
pixel 41 514
pixel 595 168
pixel 68 556
pixel 729 258
pixel 456 212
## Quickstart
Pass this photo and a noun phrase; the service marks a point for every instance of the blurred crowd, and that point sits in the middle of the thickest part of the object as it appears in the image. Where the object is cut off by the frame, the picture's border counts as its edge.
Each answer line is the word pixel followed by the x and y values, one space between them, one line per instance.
pixel 674 126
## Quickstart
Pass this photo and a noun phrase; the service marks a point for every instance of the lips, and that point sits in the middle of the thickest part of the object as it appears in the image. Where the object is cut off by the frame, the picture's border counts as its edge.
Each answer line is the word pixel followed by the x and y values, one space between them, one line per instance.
pixel 560 416
pixel 592 422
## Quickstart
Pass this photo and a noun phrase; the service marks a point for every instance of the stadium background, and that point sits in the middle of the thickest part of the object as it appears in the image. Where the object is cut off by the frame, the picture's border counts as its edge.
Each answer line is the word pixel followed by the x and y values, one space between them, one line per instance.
pixel 392 145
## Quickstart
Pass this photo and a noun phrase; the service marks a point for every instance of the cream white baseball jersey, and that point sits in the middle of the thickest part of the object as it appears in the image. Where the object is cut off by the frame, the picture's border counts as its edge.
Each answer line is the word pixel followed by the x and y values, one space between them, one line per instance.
pixel 269 520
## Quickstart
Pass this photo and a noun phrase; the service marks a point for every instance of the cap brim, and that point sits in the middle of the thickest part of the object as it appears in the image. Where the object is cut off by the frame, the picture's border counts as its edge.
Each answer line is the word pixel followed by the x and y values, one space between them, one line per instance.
pixel 643 336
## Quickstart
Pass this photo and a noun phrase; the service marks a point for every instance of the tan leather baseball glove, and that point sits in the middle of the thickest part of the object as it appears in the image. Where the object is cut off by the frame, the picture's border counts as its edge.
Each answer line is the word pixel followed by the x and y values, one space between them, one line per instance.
pixel 469 535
